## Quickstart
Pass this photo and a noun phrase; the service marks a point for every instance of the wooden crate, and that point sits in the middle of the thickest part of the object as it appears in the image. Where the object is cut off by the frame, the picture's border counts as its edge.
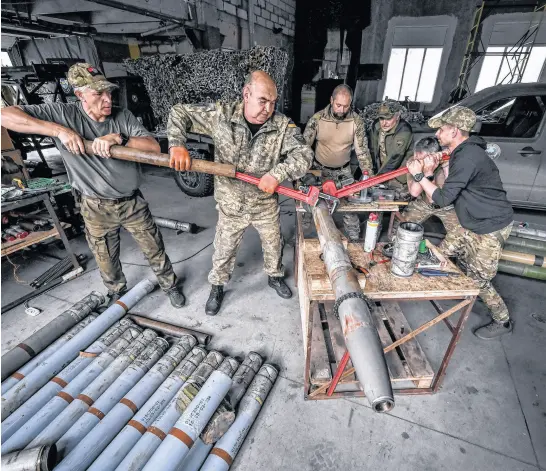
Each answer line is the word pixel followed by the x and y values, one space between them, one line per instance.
pixel 408 364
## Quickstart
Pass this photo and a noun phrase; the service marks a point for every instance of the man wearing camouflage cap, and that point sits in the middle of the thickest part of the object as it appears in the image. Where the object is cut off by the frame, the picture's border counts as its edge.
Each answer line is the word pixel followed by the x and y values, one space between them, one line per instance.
pixel 110 198
pixel 474 186
pixel 258 140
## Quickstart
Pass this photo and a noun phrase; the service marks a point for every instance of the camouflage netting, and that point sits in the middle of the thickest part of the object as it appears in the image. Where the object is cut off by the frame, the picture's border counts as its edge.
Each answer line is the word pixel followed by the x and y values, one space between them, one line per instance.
pixel 369 113
pixel 203 77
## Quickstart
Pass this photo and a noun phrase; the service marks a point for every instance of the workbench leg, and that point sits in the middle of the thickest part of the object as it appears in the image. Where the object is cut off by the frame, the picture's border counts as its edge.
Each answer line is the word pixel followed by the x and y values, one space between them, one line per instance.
pixel 298 245
pixel 308 333
pixel 391 224
pixel 439 377
pixel 62 234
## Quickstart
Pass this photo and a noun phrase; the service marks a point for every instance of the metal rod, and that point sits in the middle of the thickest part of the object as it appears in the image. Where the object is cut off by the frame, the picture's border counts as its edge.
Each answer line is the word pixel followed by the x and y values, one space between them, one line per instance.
pixel 339 372
pixel 41 374
pixel 81 403
pixel 108 399
pixel 170 329
pixel 174 224
pixel 361 337
pixel 222 455
pixel 41 339
pixel 37 459
pixel 118 448
pixel 58 403
pixel 523 258
pixel 149 442
pixel 35 361
pixel 182 436
pixel 55 384
pixel 109 426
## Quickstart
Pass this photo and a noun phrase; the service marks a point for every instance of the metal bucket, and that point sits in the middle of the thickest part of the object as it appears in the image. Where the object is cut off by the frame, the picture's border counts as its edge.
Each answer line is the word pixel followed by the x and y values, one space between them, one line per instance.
pixel 406 248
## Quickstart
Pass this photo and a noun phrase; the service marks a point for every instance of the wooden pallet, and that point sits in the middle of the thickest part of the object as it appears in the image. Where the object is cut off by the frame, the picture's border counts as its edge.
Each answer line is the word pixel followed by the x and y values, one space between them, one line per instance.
pixel 408 364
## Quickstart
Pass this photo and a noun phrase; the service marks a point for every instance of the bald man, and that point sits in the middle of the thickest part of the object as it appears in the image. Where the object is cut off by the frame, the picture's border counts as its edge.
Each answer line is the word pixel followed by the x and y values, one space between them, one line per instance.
pixel 255 138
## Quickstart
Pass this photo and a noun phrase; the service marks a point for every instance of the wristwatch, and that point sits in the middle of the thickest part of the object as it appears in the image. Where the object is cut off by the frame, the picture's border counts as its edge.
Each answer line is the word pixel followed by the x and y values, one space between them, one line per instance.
pixel 430 178
pixel 419 176
pixel 124 139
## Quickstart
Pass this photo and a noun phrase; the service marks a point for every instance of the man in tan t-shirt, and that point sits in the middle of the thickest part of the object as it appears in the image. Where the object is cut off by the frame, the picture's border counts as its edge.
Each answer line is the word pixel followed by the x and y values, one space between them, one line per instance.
pixel 334 132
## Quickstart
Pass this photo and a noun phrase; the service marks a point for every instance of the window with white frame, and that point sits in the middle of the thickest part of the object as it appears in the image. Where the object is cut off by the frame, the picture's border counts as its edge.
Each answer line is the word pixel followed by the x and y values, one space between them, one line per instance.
pixel 501 64
pixel 412 73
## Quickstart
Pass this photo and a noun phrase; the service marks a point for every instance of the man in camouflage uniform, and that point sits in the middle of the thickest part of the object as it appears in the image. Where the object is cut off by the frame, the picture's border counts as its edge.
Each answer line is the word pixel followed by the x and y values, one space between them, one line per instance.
pixel 108 188
pixel 422 207
pixel 474 186
pixel 257 140
pixel 333 132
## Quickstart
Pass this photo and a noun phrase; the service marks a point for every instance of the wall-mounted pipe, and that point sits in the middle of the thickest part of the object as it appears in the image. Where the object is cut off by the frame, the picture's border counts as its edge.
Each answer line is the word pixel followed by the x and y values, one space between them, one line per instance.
pixel 358 329
pixel 170 329
pixel 182 436
pixel 47 414
pixel 19 417
pixel 108 399
pixel 41 339
pixel 118 448
pixel 91 446
pixel 50 366
pixel 37 459
pixel 35 361
pixel 62 423
pixel 224 452
pixel 136 459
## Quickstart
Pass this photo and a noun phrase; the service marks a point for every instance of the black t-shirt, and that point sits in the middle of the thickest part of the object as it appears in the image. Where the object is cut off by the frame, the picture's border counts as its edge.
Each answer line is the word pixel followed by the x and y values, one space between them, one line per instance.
pixel 254 128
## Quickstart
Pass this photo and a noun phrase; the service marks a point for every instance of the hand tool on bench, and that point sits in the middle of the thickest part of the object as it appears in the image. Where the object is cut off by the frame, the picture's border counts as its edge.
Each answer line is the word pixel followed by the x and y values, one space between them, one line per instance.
pixel 434 272
pixel 307 194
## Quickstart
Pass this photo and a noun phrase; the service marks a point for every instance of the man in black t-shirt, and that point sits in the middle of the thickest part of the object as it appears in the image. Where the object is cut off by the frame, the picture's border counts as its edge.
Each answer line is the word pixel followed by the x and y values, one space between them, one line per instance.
pixel 110 198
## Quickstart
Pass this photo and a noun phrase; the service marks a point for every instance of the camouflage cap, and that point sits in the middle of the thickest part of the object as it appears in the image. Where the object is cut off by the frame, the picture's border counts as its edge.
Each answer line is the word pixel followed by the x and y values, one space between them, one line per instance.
pixel 85 75
pixel 386 110
pixel 458 116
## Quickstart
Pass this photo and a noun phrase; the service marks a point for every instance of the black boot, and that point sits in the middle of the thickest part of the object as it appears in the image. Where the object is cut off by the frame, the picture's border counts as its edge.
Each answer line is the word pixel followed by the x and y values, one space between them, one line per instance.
pixel 278 284
pixel 176 297
pixel 115 296
pixel 215 300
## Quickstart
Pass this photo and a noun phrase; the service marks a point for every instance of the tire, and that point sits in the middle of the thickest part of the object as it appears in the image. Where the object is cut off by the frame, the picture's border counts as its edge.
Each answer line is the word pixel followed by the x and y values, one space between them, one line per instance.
pixel 196 184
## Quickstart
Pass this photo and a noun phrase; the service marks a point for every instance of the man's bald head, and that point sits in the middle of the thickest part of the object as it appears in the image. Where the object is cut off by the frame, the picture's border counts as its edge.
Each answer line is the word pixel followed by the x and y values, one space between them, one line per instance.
pixel 341 100
pixel 260 96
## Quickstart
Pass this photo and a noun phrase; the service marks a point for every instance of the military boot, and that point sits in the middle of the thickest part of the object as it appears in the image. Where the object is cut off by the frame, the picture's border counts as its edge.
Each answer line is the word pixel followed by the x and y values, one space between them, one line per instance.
pixel 278 284
pixel 494 329
pixel 115 296
pixel 214 302
pixel 176 297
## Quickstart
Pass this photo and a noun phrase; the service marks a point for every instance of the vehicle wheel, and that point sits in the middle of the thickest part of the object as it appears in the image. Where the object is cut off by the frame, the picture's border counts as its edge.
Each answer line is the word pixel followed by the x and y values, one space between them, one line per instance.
pixel 194 183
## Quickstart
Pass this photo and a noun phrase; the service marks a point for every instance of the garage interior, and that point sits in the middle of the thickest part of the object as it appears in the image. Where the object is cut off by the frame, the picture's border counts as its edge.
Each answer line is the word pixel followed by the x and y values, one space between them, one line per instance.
pixel 486 410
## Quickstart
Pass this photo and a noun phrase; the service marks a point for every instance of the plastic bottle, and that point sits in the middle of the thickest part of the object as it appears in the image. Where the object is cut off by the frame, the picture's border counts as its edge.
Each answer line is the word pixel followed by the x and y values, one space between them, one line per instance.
pixel 371 232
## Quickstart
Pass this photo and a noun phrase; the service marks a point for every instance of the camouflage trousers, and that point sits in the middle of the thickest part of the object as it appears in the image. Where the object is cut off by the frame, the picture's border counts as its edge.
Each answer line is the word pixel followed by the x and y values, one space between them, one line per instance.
pixel 479 255
pixel 229 234
pixel 419 211
pixel 351 223
pixel 103 221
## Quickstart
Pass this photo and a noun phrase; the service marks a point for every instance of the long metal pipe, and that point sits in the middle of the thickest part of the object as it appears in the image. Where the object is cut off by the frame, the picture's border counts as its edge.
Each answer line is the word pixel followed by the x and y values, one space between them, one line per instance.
pixel 136 459
pixel 523 249
pixel 108 399
pixel 111 424
pixel 360 335
pixel 50 366
pixel 538 273
pixel 38 459
pixel 57 404
pixel 187 428
pixel 31 364
pixel 524 258
pixel 41 339
pixel 224 416
pixel 118 448
pixel 528 243
pixel 170 329
pixel 529 231
pixel 175 225
pixel 19 417
pixel 60 425
pixel 224 452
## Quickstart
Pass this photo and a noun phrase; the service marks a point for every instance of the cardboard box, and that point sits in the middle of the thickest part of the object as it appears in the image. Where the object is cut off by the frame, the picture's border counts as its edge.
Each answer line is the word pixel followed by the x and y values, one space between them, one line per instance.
pixel 7 143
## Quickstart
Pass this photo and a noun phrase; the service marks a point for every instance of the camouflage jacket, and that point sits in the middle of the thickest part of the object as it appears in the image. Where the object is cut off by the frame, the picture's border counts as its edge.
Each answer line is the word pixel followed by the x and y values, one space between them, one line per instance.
pixel 278 148
pixel 398 147
pixel 360 141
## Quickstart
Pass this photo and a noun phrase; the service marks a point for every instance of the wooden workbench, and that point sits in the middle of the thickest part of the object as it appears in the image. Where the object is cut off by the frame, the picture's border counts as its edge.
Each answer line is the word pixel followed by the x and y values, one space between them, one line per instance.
pixel 410 370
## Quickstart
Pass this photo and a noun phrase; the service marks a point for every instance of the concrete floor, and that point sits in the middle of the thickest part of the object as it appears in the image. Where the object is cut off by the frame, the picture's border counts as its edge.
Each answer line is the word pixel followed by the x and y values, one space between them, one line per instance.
pixel 489 415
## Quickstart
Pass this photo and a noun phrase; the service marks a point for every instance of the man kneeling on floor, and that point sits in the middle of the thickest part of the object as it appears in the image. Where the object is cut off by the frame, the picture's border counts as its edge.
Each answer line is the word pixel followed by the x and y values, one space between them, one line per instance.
pixel 255 138
pixel 474 186
pixel 110 198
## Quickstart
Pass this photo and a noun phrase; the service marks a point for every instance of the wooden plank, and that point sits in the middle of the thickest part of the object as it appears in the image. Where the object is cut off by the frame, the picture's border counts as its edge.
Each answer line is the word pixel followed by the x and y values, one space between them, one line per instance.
pixel 33 238
pixel 303 290
pixel 384 206
pixel 320 363
pixel 416 360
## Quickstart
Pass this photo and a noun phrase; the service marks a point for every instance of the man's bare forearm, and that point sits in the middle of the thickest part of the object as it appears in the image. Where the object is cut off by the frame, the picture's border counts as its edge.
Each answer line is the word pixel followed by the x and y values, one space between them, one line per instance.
pixel 147 143
pixel 15 119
